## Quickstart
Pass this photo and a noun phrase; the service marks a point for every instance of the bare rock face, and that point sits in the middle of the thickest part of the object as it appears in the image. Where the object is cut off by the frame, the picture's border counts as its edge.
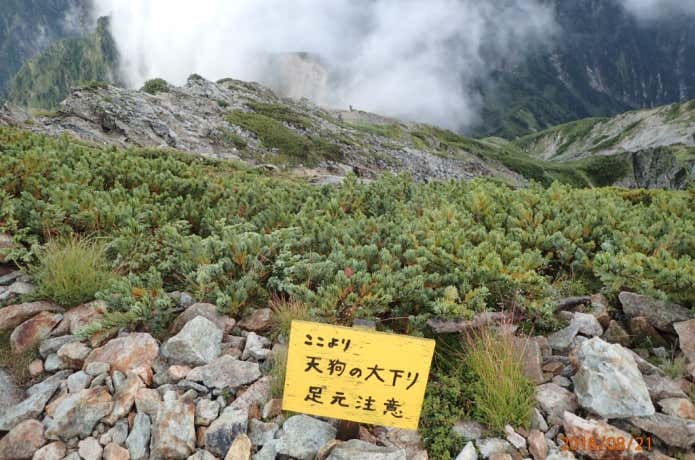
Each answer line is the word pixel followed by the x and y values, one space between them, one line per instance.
pixel 78 413
pixel 173 430
pixel 133 352
pixel 579 428
pixel 22 441
pixel 661 314
pixel 608 381
pixel 14 315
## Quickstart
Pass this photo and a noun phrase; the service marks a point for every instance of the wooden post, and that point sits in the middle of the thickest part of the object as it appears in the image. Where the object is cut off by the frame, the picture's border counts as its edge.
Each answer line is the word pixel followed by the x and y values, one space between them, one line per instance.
pixel 346 429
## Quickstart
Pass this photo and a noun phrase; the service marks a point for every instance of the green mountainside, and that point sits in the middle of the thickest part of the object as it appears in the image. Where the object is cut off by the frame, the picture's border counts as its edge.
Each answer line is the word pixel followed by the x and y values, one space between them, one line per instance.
pixel 45 80
pixel 30 26
pixel 603 62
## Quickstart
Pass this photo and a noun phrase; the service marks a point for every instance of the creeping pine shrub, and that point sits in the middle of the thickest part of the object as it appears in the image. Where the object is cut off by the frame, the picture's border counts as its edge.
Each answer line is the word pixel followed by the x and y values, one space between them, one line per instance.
pixel 155 85
pixel 500 392
pixel 71 270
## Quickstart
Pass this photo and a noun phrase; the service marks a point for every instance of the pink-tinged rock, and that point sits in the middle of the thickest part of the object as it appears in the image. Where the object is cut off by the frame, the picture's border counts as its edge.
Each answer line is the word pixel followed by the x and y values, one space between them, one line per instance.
pixel 207 311
pixel 36 368
pixel 258 393
pixel 258 321
pixel 686 338
pixel 592 431
pixel 173 430
pixel 537 445
pixel 133 352
pixel 53 451
pixel 22 441
pixel 79 317
pixel 14 315
pixel 113 451
pixel 147 400
pixel 33 331
pixel 678 407
pixel 73 354
pixel 177 373
pixel 124 398
pixel 240 448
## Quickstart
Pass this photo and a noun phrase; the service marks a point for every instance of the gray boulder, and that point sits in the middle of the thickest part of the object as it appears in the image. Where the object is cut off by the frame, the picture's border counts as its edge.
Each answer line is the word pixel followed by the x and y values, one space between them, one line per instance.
pixel 360 450
pixel 197 343
pixel 223 431
pixel 608 381
pixel 31 407
pixel 226 372
pixel 173 430
pixel 661 314
pixel 78 413
pixel 303 436
pixel 139 438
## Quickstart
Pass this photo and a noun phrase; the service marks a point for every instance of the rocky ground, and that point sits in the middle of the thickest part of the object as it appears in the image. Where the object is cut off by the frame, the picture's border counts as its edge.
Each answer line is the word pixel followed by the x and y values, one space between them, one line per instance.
pixel 205 391
pixel 192 118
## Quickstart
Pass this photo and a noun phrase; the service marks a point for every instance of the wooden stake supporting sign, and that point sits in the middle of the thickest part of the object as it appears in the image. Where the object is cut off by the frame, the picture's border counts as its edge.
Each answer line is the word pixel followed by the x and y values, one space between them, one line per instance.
pixel 356 374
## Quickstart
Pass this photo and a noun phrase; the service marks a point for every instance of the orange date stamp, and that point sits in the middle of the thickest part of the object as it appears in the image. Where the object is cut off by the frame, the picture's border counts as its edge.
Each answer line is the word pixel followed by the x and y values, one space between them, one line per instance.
pixel 605 443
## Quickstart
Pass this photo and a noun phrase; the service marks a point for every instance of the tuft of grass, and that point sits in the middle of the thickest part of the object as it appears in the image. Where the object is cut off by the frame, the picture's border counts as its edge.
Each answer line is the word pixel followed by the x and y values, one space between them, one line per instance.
pixel 155 85
pixel 71 271
pixel 500 392
pixel 674 367
pixel 278 367
pixel 284 312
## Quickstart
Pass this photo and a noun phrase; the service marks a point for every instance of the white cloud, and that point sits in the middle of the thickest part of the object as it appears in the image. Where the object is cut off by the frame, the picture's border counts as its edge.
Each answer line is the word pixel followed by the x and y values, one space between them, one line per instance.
pixel 659 9
pixel 417 59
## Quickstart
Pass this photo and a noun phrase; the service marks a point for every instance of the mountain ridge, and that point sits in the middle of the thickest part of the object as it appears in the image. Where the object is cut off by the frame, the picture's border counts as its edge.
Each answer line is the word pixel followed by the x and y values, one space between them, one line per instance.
pixel 237 120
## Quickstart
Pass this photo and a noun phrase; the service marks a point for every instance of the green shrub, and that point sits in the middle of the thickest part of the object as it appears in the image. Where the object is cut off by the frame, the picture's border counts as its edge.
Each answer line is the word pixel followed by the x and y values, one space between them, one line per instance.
pixel 71 271
pixel 500 392
pixel 155 85
pixel 273 134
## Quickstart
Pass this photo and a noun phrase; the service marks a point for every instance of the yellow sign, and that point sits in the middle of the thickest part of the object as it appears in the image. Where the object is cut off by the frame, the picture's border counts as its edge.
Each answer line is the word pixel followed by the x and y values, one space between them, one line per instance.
pixel 356 374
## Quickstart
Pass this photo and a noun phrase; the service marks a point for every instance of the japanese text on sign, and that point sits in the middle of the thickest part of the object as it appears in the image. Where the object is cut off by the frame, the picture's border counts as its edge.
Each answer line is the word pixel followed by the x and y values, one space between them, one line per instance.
pixel 356 374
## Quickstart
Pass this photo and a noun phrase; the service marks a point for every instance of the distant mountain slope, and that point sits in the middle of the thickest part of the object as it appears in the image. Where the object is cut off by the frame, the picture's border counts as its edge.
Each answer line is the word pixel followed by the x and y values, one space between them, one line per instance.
pixel 45 80
pixel 603 62
pixel 30 26
pixel 631 131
